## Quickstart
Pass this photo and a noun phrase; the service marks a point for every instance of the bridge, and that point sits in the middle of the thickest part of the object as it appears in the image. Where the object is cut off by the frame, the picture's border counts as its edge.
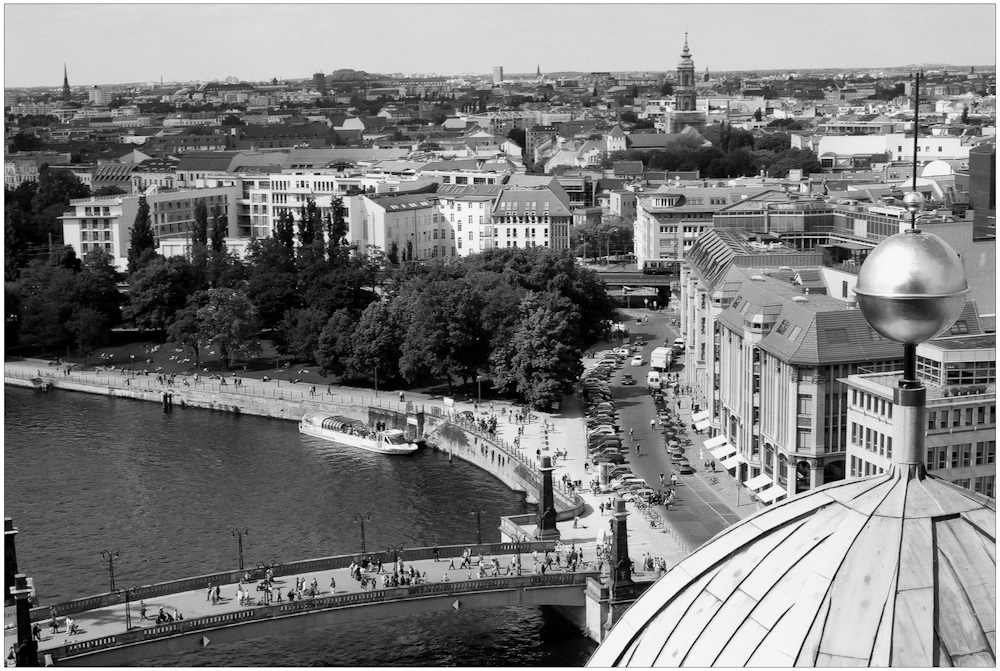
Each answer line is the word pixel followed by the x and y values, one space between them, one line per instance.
pixel 111 632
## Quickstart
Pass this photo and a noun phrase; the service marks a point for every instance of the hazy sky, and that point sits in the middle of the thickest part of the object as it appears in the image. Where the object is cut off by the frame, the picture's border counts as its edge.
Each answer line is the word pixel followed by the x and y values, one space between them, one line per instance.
pixel 131 42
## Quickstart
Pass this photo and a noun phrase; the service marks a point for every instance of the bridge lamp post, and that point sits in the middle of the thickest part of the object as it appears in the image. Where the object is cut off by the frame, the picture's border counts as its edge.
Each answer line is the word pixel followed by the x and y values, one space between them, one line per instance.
pixel 396 549
pixel 361 518
pixel 238 534
pixel 478 512
pixel 127 592
pixel 479 383
pixel 111 556
pixel 518 539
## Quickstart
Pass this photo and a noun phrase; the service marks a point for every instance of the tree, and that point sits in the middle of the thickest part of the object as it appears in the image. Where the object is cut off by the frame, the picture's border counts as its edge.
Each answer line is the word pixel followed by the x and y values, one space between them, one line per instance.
pixel 335 347
pixel 185 330
pixel 666 89
pixel 537 363
pixel 336 227
pixel 25 142
pixel 229 321
pixel 158 291
pixel 109 190
pixel 142 244
pixel 199 235
pixel 284 230
pixel 272 280
pixel 757 115
pixel 517 135
pixel 774 142
pixel 965 114
pixel 377 341
pixel 219 230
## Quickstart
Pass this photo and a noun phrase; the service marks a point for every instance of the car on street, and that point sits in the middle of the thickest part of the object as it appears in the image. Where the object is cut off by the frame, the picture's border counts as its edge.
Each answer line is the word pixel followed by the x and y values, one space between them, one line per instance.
pixel 686 469
pixel 678 459
pixel 637 360
pixel 628 380
pixel 609 459
pixel 619 470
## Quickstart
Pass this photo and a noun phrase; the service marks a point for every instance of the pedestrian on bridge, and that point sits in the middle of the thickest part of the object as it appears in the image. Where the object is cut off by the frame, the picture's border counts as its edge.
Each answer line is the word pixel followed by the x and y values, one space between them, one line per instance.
pixel 142 610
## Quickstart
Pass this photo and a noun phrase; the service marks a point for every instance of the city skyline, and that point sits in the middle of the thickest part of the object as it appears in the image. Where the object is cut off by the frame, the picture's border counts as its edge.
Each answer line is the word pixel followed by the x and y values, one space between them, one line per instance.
pixel 213 42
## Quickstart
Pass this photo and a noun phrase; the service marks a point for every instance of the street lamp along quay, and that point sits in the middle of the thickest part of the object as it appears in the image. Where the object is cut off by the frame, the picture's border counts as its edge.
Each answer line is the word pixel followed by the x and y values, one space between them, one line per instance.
pixel 478 512
pixel 128 607
pixel 361 518
pixel 111 557
pixel 238 534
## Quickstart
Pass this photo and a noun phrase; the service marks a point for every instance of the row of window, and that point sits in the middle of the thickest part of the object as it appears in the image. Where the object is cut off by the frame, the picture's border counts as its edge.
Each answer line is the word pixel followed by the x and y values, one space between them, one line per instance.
pixel 983 485
pixel 91 246
pixel 871 403
pixel 96 211
pixel 958 372
pixel 961 455
pixel 861 468
pixel 85 236
pixel 95 224
pixel 957 417
pixel 871 440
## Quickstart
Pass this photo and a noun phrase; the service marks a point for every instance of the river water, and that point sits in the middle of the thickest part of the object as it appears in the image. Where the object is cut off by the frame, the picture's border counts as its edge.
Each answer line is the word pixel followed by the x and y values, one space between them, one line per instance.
pixel 85 473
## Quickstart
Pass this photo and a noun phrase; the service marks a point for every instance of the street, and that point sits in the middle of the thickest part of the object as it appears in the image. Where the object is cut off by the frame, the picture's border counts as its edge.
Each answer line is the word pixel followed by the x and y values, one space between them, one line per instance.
pixel 698 513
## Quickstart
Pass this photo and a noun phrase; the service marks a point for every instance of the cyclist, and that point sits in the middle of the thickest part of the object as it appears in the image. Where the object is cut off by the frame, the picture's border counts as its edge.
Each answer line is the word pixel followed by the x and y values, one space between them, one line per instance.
pixel 637 449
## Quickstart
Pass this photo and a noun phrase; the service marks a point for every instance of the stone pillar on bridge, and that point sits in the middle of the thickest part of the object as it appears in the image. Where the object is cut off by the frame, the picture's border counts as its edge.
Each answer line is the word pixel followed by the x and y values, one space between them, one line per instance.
pixel 27 647
pixel 622 590
pixel 9 560
pixel 546 529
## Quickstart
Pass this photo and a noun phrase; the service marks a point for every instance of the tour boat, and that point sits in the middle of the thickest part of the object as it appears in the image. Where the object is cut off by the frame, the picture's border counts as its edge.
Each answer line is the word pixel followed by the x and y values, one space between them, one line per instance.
pixel 350 432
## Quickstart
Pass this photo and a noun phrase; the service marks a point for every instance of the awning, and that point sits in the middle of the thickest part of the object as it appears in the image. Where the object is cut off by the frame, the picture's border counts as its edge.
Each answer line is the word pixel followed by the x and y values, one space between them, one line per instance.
pixel 731 462
pixel 698 416
pixel 771 493
pixel 702 425
pixel 759 482
pixel 723 451
pixel 714 442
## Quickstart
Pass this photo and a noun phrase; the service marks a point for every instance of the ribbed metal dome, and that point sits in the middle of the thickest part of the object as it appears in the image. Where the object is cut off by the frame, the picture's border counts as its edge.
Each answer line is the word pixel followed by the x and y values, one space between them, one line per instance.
pixel 893 570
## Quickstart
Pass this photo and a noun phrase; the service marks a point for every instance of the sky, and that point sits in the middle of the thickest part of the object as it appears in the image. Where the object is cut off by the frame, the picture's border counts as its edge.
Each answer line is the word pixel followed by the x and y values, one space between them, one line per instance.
pixel 105 44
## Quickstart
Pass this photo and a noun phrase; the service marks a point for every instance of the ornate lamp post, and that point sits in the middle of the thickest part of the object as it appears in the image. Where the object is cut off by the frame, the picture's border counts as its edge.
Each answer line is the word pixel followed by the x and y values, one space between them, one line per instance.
pixel 127 592
pixel 397 550
pixel 478 512
pixel 111 557
pixel 361 518
pixel 238 534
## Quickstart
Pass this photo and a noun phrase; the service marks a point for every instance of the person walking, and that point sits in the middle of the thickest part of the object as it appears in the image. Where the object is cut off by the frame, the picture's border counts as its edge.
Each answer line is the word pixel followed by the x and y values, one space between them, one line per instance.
pixel 673 479
pixel 630 432
pixel 652 423
pixel 142 610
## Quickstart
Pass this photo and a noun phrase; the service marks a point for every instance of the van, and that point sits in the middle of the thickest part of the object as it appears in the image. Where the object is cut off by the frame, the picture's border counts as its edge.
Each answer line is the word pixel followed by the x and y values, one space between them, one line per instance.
pixel 653 380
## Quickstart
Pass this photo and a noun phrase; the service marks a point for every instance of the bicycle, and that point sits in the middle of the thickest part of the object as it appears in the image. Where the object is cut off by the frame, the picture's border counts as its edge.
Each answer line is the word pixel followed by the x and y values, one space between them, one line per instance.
pixel 713 480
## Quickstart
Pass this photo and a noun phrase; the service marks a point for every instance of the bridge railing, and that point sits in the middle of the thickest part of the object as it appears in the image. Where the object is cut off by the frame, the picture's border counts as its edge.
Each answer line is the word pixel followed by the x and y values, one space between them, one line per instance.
pixel 318 604
pixel 290 568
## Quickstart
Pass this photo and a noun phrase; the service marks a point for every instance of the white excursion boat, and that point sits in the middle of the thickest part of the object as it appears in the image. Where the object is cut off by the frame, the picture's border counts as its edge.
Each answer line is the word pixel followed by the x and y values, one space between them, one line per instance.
pixel 351 432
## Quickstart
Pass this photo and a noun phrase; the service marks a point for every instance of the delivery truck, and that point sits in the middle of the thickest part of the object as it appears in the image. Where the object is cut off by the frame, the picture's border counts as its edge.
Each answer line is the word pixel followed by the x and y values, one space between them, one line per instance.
pixel 661 358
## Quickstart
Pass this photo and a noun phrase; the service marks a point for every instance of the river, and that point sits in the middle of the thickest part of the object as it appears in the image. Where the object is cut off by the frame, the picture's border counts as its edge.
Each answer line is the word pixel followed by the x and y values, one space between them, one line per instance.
pixel 85 473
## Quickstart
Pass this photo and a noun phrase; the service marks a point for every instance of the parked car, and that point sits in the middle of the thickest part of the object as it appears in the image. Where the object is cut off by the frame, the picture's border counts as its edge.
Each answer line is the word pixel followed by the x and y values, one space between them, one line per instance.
pixel 678 459
pixel 686 469
pixel 637 360
pixel 619 470
pixel 628 380
pixel 609 459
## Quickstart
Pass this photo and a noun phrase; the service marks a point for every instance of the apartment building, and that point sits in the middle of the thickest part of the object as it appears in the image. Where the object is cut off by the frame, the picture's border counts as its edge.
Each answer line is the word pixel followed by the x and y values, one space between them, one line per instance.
pixel 531 217
pixel 468 209
pixel 407 224
pixel 106 222
pixel 959 373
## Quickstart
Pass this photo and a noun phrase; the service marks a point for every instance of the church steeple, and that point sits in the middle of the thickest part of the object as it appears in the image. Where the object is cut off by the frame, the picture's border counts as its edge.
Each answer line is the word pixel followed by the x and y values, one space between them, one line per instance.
pixel 65 91
pixel 684 95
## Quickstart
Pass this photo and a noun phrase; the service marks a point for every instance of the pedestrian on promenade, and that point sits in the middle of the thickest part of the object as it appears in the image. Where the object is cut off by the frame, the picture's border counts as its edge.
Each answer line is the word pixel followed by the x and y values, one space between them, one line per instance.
pixel 652 423
pixel 402 398
pixel 218 593
pixel 142 610
pixel 602 508
pixel 630 432
pixel 576 520
pixel 435 551
pixel 673 479
pixel 211 590
pixel 36 632
pixel 333 584
pixel 661 479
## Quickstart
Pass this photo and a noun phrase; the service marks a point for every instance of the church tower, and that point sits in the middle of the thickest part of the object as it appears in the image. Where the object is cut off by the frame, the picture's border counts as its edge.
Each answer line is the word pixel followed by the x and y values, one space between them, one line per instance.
pixel 65 91
pixel 684 94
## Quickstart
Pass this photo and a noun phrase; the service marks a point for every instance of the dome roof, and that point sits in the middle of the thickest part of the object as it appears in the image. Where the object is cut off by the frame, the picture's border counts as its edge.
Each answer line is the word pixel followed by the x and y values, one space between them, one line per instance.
pixel 686 60
pixel 897 569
